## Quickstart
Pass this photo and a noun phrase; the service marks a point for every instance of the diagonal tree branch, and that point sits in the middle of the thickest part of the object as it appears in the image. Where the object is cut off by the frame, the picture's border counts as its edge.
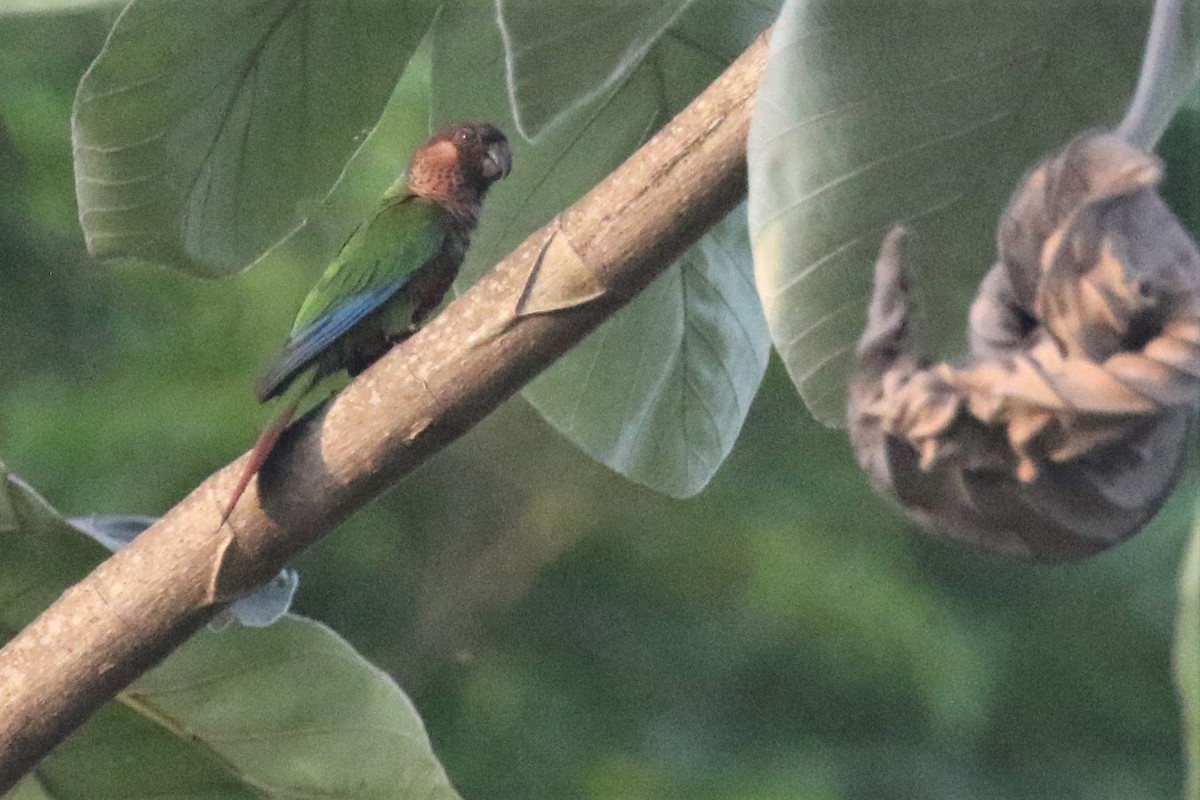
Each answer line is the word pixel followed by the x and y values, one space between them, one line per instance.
pixel 534 306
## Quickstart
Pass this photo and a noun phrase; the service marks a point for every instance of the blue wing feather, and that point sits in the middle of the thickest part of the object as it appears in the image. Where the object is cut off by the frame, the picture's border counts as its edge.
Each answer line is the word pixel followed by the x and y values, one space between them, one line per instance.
pixel 306 345
pixel 377 261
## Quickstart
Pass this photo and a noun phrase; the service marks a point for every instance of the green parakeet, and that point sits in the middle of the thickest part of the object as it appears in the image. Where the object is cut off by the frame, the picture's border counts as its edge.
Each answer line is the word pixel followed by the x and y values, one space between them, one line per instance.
pixel 390 274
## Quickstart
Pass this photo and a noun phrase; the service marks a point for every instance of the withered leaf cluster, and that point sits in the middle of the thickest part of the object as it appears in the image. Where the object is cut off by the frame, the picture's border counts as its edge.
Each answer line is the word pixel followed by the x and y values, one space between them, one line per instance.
pixel 1063 431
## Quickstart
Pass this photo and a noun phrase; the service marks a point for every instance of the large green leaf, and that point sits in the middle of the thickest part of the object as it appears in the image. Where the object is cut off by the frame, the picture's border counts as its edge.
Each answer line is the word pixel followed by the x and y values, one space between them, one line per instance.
pixel 43 555
pixel 667 413
pixel 1187 659
pixel 541 39
pixel 660 392
pixel 282 712
pixel 928 112
pixel 402 127
pixel 202 133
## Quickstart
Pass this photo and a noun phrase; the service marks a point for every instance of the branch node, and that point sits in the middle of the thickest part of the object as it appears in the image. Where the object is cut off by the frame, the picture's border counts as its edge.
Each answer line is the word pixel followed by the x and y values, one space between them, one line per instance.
pixel 569 283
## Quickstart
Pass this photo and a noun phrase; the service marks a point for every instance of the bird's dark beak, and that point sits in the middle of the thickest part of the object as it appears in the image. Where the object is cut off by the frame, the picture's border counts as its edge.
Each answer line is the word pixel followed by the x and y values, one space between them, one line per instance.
pixel 497 161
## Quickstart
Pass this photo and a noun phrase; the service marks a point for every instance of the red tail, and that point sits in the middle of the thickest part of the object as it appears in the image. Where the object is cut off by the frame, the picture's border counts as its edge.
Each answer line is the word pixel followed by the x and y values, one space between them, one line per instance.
pixel 258 455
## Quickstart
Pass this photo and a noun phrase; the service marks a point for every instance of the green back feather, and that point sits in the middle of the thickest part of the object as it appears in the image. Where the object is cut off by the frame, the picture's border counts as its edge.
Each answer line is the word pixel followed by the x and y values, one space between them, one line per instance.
pixel 403 235
pixel 371 271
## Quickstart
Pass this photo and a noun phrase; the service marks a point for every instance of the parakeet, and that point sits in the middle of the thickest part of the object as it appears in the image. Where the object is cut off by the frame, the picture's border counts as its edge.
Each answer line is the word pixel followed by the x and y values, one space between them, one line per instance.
pixel 390 274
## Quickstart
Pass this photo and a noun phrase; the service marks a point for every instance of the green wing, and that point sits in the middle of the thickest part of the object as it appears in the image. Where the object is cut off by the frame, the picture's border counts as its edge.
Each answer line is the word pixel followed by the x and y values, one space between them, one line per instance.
pixel 376 262
pixel 401 238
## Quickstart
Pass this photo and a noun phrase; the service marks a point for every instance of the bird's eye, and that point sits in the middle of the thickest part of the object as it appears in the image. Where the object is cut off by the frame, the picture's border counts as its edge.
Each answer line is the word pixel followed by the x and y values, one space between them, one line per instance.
pixel 463 136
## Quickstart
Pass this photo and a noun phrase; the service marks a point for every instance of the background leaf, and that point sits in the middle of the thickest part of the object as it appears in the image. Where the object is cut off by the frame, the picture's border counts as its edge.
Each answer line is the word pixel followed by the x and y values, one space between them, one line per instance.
pixel 43 555
pixel 541 38
pixel 288 711
pixel 54 6
pixel 666 414
pixel 281 712
pixel 658 393
pixel 925 112
pixel 200 137
pixel 402 127
pixel 1187 660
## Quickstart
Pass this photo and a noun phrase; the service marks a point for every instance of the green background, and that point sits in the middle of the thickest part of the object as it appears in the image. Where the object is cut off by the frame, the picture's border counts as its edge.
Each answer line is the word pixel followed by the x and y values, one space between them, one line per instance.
pixel 568 634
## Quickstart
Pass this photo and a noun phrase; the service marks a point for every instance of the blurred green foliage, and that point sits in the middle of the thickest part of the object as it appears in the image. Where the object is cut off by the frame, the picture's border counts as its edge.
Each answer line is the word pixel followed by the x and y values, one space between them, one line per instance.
pixel 565 633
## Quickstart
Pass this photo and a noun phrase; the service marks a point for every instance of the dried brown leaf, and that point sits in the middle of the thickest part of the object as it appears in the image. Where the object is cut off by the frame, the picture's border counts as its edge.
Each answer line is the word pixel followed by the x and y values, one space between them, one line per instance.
pixel 1063 432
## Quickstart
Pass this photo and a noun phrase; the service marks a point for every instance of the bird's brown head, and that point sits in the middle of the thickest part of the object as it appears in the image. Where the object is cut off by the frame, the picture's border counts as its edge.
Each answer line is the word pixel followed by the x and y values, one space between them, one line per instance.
pixel 457 165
